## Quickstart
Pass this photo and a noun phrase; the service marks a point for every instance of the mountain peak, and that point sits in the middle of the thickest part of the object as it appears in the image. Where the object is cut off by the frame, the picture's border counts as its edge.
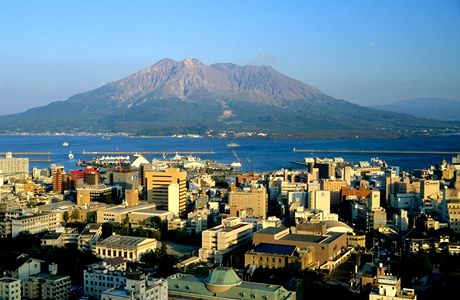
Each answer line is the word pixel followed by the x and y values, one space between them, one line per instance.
pixel 182 79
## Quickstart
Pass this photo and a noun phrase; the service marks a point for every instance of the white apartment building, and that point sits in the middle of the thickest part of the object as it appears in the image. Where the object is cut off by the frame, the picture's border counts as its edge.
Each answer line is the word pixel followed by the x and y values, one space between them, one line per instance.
pixel 138 286
pixel 10 166
pixel 35 223
pixel 100 277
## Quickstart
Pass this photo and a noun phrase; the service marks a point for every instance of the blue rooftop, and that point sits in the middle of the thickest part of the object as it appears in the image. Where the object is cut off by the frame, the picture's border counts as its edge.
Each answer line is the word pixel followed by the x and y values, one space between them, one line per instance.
pixel 274 249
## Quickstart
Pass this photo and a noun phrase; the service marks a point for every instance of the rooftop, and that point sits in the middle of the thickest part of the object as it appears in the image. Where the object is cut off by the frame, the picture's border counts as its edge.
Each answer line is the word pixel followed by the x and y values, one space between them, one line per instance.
pixel 123 209
pixel 317 239
pixel 8 280
pixel 271 230
pixel 123 241
pixel 274 249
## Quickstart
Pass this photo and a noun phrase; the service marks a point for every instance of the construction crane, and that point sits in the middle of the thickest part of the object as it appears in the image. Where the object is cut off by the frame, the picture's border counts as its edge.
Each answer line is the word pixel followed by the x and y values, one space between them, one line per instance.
pixel 236 164
pixel 250 163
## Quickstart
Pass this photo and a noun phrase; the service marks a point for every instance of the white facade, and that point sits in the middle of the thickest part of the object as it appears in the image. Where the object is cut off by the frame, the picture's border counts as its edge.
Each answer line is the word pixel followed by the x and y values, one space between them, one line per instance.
pixel 139 287
pixel 224 238
pixel 320 200
pixel 173 198
pixel 35 223
pixel 98 278
pixel 10 166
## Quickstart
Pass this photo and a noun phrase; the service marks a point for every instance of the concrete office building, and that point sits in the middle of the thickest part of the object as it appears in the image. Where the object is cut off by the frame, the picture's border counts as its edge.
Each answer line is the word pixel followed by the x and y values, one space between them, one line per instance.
pixel 119 213
pixel 35 223
pixel 159 191
pixel 104 275
pixel 254 200
pixel 334 186
pixel 222 239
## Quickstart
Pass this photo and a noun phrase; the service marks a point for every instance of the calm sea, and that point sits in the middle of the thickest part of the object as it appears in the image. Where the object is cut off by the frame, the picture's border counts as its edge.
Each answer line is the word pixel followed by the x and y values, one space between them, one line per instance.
pixel 254 154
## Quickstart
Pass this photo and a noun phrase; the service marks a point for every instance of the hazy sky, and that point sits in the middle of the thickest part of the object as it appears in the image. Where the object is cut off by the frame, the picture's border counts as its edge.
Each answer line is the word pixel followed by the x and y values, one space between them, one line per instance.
pixel 366 52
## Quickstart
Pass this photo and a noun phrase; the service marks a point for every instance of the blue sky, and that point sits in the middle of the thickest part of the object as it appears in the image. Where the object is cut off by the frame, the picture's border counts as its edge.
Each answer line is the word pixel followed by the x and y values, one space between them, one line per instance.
pixel 367 52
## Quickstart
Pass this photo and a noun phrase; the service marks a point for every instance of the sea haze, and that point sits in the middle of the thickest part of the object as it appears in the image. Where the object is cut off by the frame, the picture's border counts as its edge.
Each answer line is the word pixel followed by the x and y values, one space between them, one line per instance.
pixel 257 154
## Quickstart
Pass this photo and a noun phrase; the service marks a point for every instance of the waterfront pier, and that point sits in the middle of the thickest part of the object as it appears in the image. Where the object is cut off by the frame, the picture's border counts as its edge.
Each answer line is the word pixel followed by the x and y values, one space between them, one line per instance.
pixel 146 152
pixel 409 152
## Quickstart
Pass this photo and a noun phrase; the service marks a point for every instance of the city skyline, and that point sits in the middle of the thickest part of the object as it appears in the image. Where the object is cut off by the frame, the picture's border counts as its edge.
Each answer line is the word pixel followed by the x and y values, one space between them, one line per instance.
pixel 367 53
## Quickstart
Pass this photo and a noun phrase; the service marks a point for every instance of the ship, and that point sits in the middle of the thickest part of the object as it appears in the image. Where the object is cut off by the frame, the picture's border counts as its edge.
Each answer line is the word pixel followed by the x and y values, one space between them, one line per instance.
pixel 110 161
pixel 65 144
pixel 71 156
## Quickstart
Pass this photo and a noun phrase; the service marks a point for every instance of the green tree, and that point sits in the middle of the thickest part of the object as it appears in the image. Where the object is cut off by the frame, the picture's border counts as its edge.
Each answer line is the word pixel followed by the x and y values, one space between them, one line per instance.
pixel 66 217
pixel 75 215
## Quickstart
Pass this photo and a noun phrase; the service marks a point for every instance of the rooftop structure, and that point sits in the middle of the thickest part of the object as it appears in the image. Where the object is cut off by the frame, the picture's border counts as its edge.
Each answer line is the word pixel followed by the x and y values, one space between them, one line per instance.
pixel 223 283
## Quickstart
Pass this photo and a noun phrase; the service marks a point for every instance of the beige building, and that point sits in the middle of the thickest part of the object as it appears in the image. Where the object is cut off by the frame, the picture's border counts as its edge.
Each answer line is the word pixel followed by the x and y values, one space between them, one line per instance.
pixel 356 241
pixel 35 223
pixel 119 213
pixel 320 200
pixel 158 190
pixel 129 247
pixel 47 286
pixel 10 166
pixel 254 200
pixel 280 256
pixel 430 189
pixel 10 288
pixel 222 239
pixel 389 288
pixel 334 186
pixel 327 247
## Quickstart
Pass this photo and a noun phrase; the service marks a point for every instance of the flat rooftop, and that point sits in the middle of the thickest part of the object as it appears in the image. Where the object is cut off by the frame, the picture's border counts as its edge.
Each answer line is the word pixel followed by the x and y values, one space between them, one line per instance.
pixel 8 280
pixel 315 239
pixel 119 241
pixel 148 211
pixel 271 230
pixel 127 209
pixel 228 229
pixel 274 249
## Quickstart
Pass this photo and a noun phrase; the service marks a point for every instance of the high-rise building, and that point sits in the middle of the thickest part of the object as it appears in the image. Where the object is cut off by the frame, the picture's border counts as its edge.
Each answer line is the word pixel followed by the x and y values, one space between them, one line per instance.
pixel 334 186
pixel 10 166
pixel 158 189
pixel 254 200
pixel 320 200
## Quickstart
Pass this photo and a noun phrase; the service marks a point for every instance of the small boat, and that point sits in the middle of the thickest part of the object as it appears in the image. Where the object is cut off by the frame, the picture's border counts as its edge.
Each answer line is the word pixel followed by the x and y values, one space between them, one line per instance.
pixel 233 145
pixel 65 144
pixel 71 156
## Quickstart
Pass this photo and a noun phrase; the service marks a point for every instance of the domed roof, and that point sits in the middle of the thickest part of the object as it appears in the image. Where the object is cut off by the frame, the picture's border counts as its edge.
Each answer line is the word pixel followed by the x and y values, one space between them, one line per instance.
pixel 140 160
pixel 222 279
pixel 337 226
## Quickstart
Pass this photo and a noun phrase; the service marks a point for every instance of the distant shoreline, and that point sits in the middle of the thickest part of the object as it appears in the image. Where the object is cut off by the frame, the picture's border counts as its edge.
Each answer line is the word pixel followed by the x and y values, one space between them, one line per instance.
pixel 314 135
